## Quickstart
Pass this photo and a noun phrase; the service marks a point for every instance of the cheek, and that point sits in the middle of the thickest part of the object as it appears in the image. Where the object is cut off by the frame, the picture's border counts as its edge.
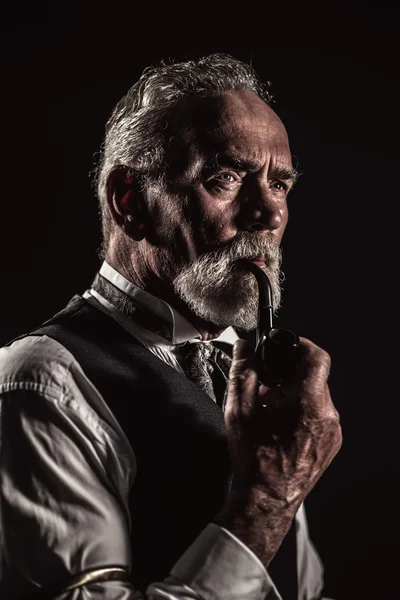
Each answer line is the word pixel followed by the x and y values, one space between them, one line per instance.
pixel 198 222
pixel 208 221
pixel 218 226
pixel 162 220
pixel 285 218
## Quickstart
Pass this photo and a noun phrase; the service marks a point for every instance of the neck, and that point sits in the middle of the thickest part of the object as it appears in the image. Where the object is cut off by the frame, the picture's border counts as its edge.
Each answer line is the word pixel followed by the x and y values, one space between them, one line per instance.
pixel 165 291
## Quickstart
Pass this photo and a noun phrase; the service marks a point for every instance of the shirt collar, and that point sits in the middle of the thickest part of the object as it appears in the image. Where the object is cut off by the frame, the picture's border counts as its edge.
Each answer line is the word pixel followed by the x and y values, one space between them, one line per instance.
pixel 182 330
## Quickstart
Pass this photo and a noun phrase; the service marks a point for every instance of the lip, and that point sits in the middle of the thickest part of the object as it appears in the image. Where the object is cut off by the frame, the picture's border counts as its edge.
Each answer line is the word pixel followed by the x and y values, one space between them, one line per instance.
pixel 260 262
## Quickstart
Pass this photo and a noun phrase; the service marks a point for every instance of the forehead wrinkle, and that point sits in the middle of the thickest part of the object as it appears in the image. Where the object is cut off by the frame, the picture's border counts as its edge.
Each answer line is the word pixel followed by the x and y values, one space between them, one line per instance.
pixel 249 149
pixel 250 158
pixel 243 112
pixel 234 159
pixel 239 125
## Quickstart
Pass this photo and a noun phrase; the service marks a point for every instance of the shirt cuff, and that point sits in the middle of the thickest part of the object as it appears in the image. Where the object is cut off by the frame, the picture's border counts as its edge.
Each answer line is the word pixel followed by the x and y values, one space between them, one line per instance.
pixel 218 565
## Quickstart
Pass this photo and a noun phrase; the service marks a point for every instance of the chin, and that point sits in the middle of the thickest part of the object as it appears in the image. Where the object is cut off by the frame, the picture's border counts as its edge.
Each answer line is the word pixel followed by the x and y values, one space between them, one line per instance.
pixel 230 302
pixel 238 319
pixel 216 292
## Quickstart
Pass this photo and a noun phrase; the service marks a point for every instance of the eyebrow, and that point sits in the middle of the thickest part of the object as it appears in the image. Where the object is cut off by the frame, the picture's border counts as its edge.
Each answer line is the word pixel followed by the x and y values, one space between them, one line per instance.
pixel 290 175
pixel 242 164
pixel 227 159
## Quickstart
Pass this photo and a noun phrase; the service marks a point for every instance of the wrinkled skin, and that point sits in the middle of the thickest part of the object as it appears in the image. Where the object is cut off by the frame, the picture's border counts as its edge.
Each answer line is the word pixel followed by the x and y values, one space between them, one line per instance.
pixel 229 173
pixel 281 440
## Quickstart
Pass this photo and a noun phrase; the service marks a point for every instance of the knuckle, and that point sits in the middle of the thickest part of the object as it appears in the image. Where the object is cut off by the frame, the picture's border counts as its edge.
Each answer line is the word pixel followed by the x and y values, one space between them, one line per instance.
pixel 332 412
pixel 316 355
pixel 325 359
pixel 339 435
pixel 321 359
pixel 334 433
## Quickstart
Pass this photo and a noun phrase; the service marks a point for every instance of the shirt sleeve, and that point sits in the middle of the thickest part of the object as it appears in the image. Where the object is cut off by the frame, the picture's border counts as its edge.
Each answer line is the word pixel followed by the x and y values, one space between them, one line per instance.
pixel 60 514
pixel 218 565
pixel 63 512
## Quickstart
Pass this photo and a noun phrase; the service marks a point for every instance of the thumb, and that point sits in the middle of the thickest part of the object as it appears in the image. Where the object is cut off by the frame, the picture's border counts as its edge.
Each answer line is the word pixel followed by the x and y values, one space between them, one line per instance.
pixel 243 379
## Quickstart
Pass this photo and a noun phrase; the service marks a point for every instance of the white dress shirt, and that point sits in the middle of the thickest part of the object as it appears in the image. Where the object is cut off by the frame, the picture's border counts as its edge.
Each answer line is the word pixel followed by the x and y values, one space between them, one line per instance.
pixel 66 469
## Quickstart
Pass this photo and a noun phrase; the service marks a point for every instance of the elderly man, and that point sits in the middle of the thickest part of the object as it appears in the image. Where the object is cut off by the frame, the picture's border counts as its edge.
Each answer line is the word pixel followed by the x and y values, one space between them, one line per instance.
pixel 138 458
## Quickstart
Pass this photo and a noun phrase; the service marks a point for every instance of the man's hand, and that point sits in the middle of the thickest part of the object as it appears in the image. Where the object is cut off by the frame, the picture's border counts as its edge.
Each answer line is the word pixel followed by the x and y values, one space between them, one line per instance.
pixel 281 440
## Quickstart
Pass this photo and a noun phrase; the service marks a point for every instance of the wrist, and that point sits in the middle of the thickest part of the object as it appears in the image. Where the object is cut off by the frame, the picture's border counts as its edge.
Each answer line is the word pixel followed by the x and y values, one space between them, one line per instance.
pixel 257 519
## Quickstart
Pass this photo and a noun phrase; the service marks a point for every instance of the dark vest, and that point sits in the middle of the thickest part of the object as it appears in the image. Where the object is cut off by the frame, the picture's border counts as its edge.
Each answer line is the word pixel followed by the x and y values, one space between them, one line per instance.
pixel 175 429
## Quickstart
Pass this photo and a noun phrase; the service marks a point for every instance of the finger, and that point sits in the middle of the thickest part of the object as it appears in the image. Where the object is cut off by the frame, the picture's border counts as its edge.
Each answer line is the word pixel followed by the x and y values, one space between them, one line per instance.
pixel 243 380
pixel 312 377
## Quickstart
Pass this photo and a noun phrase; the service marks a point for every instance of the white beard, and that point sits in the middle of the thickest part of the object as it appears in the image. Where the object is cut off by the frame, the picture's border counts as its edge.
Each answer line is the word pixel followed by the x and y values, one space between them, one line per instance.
pixel 216 291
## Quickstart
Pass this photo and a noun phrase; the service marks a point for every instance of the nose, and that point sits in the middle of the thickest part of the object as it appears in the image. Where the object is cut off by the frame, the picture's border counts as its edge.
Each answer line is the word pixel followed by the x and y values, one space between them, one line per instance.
pixel 263 209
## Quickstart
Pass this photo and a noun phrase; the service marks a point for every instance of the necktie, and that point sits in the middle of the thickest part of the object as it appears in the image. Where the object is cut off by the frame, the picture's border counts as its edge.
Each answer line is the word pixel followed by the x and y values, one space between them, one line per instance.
pixel 208 367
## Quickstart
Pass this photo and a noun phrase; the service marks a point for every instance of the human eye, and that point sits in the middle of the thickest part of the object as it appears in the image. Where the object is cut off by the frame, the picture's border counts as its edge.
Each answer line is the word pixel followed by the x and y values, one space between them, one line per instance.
pixel 225 180
pixel 280 186
pixel 225 177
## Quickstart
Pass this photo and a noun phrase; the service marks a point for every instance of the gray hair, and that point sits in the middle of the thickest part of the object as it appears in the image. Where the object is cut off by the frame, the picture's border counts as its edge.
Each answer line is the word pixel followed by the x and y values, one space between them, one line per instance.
pixel 135 132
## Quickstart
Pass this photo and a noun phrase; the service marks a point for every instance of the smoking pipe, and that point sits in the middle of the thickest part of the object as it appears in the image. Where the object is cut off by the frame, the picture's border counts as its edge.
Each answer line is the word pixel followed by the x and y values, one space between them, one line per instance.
pixel 275 347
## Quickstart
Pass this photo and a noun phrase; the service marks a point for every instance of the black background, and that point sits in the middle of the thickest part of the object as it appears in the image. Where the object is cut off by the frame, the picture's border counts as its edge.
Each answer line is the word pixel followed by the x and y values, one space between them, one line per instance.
pixel 340 103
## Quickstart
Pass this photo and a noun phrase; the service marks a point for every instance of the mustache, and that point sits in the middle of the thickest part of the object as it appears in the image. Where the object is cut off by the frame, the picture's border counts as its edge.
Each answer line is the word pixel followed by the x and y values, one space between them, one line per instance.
pixel 246 245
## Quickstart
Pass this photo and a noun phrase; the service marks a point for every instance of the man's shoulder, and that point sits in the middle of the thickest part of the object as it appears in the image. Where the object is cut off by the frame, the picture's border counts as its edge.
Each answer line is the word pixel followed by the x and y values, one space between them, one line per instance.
pixel 34 360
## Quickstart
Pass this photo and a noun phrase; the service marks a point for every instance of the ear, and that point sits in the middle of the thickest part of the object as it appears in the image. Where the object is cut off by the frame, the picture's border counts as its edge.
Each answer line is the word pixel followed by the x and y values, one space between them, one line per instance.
pixel 126 202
